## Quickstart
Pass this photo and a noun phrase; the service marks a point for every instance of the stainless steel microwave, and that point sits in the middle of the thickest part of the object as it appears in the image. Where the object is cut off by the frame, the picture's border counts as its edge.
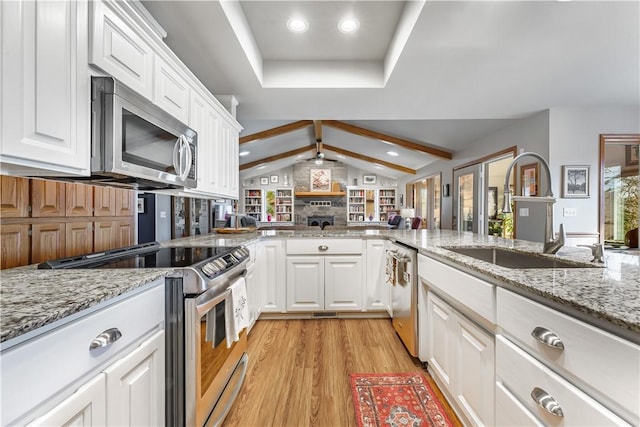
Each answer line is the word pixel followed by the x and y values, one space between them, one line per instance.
pixel 135 143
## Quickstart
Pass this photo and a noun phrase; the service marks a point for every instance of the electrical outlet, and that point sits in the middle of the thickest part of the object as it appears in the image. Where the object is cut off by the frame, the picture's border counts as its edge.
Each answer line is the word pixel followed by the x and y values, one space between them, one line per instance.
pixel 569 212
pixel 523 212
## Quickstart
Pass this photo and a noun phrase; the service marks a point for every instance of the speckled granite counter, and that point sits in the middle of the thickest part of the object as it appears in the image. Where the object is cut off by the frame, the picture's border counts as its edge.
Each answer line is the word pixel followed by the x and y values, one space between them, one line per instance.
pixel 31 298
pixel 607 297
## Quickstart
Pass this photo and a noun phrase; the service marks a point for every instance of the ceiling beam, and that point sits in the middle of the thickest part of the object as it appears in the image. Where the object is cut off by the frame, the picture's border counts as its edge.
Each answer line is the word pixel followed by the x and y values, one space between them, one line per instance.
pixel 357 130
pixel 276 157
pixel 370 159
pixel 317 127
pixel 269 133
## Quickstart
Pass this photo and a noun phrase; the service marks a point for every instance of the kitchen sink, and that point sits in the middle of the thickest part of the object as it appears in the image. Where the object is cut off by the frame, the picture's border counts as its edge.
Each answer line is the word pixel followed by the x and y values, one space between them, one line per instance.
pixel 514 259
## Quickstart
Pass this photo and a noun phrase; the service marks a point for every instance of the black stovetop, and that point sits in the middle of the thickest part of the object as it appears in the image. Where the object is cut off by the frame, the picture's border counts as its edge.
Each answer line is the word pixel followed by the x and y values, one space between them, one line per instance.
pixel 141 256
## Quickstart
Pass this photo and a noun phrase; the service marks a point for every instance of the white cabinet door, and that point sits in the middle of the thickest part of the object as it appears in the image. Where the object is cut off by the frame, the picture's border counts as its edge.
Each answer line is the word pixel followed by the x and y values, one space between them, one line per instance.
pixel 305 283
pixel 171 91
pixel 440 319
pixel 44 86
pixel 120 51
pixel 474 371
pixel 378 292
pixel 135 386
pixel 271 269
pixel 253 295
pixel 344 283
pixel 86 407
pixel 227 161
pixel 198 121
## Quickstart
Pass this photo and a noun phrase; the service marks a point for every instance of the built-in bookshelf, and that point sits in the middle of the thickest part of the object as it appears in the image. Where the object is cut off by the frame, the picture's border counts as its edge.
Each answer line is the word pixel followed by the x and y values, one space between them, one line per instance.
pixel 355 205
pixel 386 202
pixel 284 205
pixel 253 203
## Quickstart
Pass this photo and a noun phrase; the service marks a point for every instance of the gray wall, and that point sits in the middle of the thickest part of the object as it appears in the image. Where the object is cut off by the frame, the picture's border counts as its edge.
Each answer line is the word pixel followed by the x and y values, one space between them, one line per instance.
pixel 163 217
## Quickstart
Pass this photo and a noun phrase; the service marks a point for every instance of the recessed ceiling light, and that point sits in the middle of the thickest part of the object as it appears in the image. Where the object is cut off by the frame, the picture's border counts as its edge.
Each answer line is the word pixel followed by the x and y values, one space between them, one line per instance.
pixel 392 153
pixel 340 156
pixel 378 166
pixel 261 167
pixel 244 153
pixel 348 25
pixel 297 25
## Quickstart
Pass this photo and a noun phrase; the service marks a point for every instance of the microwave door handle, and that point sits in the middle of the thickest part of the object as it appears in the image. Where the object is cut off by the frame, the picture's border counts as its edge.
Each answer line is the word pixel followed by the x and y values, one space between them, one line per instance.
pixel 188 158
pixel 176 155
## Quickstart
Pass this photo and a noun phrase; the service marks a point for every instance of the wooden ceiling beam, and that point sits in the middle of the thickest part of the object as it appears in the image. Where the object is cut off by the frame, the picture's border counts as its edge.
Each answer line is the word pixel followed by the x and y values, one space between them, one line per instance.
pixel 270 133
pixel 369 159
pixel 357 130
pixel 276 157
pixel 317 127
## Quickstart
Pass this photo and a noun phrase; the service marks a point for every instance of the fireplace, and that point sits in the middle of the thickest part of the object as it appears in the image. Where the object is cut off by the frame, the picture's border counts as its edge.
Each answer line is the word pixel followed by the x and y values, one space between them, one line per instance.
pixel 320 221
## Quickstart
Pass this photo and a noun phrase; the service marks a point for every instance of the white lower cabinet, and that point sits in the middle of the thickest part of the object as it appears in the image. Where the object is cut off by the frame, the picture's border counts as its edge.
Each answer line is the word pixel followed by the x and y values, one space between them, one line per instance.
pixel 135 386
pixel 86 407
pixel 461 356
pixel 57 379
pixel 271 270
pixel 378 292
pixel 324 283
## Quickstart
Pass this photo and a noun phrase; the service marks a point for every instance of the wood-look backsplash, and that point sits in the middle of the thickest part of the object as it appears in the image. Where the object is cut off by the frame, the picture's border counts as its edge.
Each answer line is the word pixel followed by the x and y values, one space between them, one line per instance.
pixel 44 219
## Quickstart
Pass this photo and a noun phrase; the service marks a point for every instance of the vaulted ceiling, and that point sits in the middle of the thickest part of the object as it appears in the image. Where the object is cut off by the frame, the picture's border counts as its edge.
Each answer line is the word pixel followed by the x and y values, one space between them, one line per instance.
pixel 440 74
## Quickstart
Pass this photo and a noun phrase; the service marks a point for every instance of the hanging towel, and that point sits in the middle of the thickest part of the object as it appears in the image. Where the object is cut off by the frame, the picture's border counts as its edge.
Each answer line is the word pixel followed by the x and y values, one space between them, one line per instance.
pixel 237 313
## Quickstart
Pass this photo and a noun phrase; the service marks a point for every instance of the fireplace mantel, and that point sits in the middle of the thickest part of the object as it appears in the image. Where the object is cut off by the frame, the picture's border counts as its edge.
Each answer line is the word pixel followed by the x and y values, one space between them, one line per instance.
pixel 320 193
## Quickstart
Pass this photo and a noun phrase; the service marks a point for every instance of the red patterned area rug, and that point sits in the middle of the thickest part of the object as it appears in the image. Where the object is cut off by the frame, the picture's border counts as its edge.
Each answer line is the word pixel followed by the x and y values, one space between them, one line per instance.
pixel 402 400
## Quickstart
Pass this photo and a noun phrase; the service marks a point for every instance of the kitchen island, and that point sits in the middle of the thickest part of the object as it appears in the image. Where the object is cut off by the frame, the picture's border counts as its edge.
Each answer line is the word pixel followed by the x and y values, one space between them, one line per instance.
pixel 608 297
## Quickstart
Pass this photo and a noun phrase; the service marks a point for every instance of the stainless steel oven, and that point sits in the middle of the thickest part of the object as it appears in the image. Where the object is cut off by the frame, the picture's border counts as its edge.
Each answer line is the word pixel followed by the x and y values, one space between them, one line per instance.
pixel 205 364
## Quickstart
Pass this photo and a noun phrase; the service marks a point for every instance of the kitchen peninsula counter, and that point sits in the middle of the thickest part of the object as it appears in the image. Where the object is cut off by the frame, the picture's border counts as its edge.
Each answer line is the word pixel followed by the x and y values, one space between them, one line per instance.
pixel 606 297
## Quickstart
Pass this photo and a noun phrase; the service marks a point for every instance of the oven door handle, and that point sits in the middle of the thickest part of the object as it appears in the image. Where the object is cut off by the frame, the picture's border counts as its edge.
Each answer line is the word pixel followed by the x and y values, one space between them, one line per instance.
pixel 207 305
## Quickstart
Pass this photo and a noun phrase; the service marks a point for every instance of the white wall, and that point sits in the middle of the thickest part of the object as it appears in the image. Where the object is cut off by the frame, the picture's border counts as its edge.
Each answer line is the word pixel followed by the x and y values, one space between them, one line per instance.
pixel 574 139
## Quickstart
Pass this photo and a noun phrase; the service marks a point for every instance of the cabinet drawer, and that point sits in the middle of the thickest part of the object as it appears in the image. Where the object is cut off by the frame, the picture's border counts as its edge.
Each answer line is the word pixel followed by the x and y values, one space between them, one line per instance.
pixel 601 363
pixel 510 412
pixel 520 373
pixel 317 246
pixel 41 367
pixel 470 291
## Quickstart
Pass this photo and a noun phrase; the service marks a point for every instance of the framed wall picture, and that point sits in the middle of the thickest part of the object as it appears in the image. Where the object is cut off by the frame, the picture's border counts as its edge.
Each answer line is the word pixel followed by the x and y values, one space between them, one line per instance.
pixel 140 205
pixel 631 155
pixel 529 179
pixel 320 180
pixel 274 179
pixel 264 180
pixel 575 182
pixel 368 179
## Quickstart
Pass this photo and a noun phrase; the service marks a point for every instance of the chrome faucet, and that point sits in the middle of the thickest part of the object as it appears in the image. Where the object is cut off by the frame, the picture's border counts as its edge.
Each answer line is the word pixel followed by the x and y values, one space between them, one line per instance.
pixel 551 245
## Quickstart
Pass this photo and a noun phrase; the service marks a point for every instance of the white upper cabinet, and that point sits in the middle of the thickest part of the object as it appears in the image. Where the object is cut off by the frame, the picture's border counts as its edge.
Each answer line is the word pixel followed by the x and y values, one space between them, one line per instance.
pixel 171 91
pixel 119 51
pixel 45 87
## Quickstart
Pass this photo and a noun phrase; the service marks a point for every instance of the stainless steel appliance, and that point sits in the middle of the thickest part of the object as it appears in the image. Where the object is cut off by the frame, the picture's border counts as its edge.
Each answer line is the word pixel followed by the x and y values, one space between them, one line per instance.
pixel 203 373
pixel 401 275
pixel 135 143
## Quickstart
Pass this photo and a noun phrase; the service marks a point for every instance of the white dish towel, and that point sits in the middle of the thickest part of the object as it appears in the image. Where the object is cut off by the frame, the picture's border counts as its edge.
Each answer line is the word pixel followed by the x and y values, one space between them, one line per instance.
pixel 237 313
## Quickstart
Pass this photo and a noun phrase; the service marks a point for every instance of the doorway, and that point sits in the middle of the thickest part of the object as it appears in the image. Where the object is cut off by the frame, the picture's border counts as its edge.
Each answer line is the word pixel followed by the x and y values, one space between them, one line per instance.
pixel 478 192
pixel 619 190
pixel 425 196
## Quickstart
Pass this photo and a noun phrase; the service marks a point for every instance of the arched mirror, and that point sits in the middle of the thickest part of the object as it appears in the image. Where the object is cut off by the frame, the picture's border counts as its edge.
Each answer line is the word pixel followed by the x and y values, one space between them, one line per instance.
pixel 619 190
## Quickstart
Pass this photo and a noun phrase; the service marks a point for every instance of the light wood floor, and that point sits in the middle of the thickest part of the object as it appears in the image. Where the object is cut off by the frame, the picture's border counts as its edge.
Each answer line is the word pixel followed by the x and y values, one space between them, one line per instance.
pixel 298 372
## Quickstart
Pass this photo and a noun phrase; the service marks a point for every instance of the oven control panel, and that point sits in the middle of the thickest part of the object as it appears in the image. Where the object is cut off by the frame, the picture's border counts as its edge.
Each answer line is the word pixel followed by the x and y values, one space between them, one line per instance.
pixel 225 262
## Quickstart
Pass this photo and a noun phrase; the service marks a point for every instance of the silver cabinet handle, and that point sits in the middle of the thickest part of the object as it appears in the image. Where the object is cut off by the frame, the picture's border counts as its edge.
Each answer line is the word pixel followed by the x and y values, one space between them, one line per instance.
pixel 105 339
pixel 323 248
pixel 547 337
pixel 546 402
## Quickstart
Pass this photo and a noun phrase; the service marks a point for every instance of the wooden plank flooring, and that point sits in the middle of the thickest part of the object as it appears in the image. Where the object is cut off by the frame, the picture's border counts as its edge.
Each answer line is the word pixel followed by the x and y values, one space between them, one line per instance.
pixel 298 372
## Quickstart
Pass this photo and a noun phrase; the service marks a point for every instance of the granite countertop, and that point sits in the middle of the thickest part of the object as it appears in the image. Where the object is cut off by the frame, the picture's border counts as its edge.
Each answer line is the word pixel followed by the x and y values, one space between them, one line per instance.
pixel 607 297
pixel 31 298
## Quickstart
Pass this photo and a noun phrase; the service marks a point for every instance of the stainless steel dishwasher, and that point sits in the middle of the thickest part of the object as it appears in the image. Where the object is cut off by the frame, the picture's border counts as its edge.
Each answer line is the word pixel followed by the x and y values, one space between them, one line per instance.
pixel 401 275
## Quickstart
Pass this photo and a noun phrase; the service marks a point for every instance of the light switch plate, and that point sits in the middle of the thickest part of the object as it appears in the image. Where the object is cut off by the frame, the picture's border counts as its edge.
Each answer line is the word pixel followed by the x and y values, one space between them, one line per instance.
pixel 523 212
pixel 569 212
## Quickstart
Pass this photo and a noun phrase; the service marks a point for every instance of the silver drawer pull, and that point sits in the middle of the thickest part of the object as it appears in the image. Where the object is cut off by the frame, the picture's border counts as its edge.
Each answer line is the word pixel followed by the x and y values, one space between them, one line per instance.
pixel 105 339
pixel 546 402
pixel 323 248
pixel 547 337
